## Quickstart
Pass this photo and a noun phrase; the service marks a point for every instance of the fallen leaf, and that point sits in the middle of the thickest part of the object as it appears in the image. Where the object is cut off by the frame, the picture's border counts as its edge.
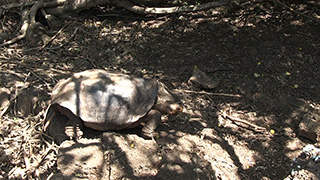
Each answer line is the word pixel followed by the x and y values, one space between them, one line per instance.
pixel 272 131
pixel 256 75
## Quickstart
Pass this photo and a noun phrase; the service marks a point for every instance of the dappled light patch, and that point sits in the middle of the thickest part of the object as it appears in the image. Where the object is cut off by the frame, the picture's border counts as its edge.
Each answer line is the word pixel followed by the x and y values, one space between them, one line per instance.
pixel 131 156
pixel 84 159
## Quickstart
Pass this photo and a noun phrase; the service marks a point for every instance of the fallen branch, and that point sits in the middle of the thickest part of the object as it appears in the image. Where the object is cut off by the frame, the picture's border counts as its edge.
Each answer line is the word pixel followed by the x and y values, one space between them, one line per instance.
pixel 253 126
pixel 207 93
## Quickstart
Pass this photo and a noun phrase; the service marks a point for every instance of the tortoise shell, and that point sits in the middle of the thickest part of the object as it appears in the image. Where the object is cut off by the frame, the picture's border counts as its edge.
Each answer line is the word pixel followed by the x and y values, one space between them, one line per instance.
pixel 106 101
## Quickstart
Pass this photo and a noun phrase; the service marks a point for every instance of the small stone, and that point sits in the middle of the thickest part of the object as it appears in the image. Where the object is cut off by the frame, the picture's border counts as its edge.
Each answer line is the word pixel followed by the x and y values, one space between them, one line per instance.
pixel 200 78
pixel 245 87
pixel 31 101
pixel 4 98
pixel 310 128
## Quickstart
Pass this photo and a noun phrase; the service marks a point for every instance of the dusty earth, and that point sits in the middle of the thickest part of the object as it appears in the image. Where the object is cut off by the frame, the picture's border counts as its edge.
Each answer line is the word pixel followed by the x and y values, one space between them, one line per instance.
pixel 265 57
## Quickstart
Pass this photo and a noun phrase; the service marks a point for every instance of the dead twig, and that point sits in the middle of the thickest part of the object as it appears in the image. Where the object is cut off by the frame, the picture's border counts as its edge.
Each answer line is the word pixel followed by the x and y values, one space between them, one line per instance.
pixel 55 36
pixel 5 110
pixel 26 159
pixel 253 126
pixel 50 176
pixel 45 82
pixel 37 162
pixel 309 35
pixel 207 93
pixel 72 36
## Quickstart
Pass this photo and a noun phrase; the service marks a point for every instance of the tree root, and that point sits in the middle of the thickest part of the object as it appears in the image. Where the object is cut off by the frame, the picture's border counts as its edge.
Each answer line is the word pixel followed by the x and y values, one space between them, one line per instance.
pixel 16 5
pixel 23 30
pixel 29 19
pixel 127 4
pixel 29 22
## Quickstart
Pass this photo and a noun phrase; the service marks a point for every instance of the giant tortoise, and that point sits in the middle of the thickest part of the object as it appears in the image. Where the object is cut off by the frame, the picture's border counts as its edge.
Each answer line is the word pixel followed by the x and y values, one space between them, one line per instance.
pixel 105 101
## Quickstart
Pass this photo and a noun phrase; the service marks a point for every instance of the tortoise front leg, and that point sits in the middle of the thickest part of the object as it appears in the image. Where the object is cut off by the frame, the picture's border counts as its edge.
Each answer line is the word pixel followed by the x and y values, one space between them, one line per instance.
pixel 74 125
pixel 74 128
pixel 151 121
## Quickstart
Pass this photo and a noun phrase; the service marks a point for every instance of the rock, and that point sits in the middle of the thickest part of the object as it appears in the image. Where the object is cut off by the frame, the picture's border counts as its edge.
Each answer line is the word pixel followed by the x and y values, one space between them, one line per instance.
pixel 199 78
pixel 4 98
pixel 246 87
pixel 84 159
pixel 310 127
pixel 9 79
pixel 82 64
pixel 306 165
pixel 31 101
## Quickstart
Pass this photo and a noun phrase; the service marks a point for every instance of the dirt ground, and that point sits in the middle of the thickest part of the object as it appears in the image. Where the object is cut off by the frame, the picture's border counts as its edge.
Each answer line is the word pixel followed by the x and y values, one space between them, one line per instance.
pixel 264 56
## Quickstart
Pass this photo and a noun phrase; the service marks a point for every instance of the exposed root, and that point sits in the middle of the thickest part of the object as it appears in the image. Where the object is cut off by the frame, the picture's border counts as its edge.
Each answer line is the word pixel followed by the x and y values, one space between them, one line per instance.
pixel 16 5
pixel 28 17
pixel 23 30
pixel 127 4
